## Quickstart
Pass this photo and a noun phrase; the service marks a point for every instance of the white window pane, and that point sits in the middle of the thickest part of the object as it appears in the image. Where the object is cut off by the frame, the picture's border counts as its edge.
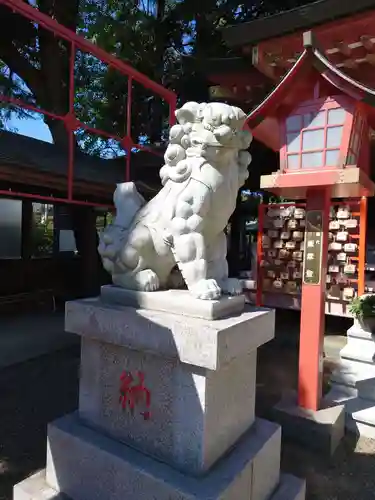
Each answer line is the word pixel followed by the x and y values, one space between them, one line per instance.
pixel 318 119
pixel 293 142
pixel 334 136
pixel 336 116
pixel 313 139
pixel 312 160
pixel 307 119
pixel 332 157
pixel 294 123
pixel 293 162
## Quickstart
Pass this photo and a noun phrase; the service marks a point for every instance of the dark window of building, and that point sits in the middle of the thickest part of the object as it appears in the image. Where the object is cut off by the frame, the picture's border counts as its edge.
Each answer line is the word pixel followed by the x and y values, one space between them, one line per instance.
pixel 10 229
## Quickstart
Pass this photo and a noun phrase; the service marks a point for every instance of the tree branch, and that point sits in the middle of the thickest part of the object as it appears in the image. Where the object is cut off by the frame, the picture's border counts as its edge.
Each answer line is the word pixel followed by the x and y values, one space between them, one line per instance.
pixel 20 66
pixel 23 35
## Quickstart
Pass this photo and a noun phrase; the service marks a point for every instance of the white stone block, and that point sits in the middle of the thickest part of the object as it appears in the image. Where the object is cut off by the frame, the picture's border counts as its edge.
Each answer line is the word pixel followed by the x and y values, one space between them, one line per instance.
pixel 360 412
pixel 196 414
pixel 359 349
pixel 85 465
pixel 36 488
pixel 194 341
pixel 357 377
pixel 180 301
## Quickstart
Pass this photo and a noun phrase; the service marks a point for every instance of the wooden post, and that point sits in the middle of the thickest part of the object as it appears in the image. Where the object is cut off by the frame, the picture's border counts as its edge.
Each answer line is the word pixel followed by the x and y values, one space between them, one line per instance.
pixel 310 379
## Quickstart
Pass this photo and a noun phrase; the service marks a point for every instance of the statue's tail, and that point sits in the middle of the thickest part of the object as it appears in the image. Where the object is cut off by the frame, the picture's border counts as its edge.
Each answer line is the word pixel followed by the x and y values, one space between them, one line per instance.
pixel 128 202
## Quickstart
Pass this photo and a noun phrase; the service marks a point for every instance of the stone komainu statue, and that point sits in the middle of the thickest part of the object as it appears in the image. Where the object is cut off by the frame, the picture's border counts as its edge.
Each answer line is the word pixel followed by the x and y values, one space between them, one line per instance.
pixel 205 165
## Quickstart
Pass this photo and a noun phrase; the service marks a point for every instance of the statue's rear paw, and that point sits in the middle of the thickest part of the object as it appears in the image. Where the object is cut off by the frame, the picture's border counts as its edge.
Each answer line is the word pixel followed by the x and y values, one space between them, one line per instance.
pixel 206 290
pixel 231 286
pixel 147 281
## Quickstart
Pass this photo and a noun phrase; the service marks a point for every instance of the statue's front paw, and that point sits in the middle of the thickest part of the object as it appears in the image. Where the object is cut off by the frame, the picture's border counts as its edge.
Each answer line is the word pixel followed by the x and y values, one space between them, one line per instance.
pixel 231 286
pixel 148 281
pixel 206 290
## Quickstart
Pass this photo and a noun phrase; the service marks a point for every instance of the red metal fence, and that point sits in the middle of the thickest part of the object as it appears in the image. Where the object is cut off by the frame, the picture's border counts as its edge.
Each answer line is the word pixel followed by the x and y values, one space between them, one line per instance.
pixel 70 120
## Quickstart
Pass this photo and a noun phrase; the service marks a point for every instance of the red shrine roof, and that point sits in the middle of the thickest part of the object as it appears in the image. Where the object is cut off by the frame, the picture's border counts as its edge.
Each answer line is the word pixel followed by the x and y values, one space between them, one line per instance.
pixel 270 46
pixel 315 14
pixel 311 66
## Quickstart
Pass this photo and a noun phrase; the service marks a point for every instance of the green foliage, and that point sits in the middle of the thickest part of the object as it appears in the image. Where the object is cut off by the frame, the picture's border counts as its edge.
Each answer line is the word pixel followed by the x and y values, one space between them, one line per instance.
pixel 42 238
pixel 278 199
pixel 363 307
pixel 151 35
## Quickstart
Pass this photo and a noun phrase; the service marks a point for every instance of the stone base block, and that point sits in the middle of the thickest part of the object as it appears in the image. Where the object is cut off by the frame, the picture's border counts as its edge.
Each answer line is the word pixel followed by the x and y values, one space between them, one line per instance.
pixel 179 301
pixel 359 412
pixel 358 378
pixel 289 488
pixel 82 465
pixel 197 377
pixel 193 419
pixel 320 430
pixel 36 488
pixel 85 464
pixel 353 380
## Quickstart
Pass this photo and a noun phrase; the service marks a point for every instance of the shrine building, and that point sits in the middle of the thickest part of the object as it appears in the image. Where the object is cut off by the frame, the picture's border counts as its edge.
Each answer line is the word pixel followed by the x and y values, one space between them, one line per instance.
pixel 291 72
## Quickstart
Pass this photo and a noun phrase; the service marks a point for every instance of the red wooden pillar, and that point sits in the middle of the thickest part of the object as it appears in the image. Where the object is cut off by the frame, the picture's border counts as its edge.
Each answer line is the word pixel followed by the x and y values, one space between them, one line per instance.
pixel 313 299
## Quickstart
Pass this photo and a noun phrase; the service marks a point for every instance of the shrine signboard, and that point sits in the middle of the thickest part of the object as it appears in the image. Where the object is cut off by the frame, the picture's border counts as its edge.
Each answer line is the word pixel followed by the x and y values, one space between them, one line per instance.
pixel 312 261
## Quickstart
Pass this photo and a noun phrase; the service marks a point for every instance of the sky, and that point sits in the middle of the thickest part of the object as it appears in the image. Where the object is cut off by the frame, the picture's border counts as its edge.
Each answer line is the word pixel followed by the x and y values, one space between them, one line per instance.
pixel 31 128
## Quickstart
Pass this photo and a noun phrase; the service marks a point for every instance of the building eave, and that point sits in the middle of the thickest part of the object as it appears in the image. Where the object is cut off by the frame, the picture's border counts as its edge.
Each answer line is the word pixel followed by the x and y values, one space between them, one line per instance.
pixel 298 19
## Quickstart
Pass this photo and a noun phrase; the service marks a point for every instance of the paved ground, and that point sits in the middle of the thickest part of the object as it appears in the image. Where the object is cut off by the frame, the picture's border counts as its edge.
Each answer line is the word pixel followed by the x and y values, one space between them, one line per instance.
pixel 27 336
pixel 35 392
pixel 32 394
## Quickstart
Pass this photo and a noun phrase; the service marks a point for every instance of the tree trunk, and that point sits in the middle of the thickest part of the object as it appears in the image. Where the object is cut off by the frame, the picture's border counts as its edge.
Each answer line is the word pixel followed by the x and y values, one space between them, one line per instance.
pixel 84 227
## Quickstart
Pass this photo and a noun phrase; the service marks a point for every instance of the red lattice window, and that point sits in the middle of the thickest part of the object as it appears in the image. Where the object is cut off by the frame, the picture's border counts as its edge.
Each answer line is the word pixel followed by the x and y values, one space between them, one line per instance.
pixel 317 135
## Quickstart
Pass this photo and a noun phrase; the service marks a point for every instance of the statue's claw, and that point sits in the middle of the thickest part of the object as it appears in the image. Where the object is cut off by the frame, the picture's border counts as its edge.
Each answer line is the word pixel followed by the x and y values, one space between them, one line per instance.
pixel 148 281
pixel 206 290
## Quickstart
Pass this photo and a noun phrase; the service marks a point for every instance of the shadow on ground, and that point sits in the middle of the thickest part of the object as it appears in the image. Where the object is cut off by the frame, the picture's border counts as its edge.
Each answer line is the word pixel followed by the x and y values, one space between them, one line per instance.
pixel 350 473
pixel 38 391
pixel 33 394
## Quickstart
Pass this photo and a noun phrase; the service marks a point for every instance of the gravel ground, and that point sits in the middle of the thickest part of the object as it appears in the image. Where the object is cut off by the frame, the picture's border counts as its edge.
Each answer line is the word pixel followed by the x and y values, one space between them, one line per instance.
pixel 34 393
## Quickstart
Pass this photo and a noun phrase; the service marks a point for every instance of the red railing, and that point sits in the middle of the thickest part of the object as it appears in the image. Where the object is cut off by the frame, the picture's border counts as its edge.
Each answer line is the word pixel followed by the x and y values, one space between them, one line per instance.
pixel 70 120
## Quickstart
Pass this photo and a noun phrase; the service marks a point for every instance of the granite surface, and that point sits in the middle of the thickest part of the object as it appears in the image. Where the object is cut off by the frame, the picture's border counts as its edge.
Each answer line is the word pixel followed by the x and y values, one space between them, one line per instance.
pixel 200 342
pixel 84 465
pixel 180 301
pixel 196 414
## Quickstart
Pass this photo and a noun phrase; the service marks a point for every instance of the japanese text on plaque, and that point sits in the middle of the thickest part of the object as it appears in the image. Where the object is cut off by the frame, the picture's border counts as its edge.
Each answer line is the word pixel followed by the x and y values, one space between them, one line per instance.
pixel 312 261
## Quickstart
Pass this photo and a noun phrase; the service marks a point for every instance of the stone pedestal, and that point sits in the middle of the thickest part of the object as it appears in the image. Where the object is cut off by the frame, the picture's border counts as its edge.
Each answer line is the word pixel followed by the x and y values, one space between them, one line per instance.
pixel 353 381
pixel 320 430
pixel 192 433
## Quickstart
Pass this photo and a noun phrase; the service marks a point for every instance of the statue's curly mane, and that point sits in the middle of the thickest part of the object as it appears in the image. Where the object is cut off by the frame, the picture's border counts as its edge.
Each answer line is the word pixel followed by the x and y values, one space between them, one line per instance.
pixel 200 126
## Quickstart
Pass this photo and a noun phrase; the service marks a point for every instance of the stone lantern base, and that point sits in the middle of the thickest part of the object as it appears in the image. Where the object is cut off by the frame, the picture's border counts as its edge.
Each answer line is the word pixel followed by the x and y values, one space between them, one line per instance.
pixel 353 381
